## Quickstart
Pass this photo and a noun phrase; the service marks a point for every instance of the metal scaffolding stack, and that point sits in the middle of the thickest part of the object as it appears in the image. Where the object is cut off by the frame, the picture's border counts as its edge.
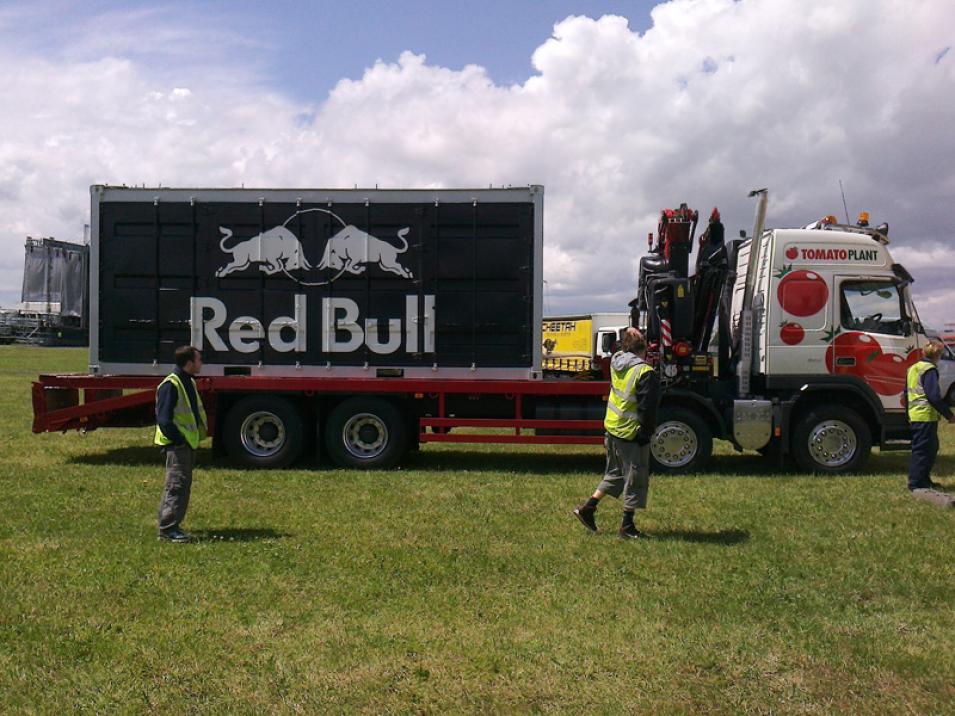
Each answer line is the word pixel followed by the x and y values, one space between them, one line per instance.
pixel 53 303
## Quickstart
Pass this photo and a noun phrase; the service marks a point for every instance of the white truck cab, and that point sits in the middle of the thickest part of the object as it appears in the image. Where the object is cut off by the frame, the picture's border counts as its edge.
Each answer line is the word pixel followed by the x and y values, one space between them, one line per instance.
pixel 835 304
pixel 834 334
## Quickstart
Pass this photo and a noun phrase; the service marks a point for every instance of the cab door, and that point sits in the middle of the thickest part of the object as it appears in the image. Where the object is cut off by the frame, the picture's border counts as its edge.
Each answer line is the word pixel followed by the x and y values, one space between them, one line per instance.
pixel 875 339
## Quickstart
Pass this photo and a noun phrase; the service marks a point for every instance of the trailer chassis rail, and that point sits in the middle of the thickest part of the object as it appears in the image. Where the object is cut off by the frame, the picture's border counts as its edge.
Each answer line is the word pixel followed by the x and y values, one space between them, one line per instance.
pixel 85 402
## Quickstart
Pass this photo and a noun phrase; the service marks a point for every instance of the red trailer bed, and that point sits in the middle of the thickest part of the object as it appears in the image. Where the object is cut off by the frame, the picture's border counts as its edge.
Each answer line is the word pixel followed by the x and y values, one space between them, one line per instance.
pixel 86 402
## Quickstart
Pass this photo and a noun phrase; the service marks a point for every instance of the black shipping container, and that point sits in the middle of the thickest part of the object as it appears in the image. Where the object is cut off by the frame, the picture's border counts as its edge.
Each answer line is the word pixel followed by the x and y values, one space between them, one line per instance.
pixel 443 283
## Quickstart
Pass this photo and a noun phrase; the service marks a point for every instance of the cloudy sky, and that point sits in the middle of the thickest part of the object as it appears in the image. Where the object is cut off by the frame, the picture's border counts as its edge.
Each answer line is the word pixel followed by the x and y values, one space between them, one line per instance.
pixel 618 108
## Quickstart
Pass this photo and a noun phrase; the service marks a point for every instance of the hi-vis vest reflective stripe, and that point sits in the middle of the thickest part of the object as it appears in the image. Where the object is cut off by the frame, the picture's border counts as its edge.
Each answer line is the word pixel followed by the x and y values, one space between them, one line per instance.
pixel 182 415
pixel 920 410
pixel 621 418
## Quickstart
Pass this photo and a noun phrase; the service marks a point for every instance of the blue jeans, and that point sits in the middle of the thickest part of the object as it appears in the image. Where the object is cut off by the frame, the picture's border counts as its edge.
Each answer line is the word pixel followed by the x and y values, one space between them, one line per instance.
pixel 924 450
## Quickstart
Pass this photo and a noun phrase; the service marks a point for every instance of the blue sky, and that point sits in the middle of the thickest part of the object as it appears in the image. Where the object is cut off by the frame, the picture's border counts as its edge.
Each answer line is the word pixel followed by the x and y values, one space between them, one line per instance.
pixel 340 39
pixel 304 48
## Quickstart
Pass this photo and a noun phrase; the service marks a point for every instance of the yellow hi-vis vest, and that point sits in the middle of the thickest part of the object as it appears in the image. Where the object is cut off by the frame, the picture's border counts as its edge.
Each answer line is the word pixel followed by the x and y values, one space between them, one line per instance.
pixel 182 415
pixel 621 418
pixel 920 410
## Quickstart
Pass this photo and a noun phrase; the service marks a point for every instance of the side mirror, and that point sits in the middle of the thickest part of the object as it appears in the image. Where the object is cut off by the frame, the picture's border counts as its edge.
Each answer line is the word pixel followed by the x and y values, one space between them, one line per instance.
pixel 907 325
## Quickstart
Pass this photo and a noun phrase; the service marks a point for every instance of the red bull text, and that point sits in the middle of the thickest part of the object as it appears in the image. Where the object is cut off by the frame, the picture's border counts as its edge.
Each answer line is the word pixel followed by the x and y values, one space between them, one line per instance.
pixel 344 330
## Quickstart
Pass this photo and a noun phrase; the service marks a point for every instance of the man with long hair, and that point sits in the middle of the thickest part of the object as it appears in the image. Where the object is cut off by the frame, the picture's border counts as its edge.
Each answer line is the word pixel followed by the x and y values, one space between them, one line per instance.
pixel 629 422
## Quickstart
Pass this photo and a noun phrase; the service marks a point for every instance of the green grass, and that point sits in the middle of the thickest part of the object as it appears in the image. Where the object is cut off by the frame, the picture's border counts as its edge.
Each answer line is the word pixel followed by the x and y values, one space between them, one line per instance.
pixel 460 583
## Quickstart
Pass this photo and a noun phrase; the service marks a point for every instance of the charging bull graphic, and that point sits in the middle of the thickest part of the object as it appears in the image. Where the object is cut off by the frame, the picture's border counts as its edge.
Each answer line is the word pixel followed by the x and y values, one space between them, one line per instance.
pixel 274 250
pixel 352 249
pixel 278 250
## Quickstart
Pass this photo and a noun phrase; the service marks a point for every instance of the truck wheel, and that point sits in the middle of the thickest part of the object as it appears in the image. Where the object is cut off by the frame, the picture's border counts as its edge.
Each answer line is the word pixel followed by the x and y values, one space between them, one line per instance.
pixel 831 439
pixel 367 433
pixel 264 431
pixel 683 442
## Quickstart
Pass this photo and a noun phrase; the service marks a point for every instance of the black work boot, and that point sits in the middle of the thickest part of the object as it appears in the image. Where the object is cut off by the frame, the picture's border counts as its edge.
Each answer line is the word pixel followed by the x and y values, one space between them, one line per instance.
pixel 587 516
pixel 629 531
pixel 175 535
pixel 627 528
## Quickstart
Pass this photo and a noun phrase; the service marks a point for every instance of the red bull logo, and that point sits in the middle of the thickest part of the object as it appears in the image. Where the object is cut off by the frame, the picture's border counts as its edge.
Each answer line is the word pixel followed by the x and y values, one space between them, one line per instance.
pixel 276 250
pixel 344 330
pixel 352 249
pixel 279 250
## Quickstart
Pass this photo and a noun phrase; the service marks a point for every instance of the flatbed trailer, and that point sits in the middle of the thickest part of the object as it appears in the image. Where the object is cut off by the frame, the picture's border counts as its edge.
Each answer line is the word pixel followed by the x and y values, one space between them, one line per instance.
pixel 430 411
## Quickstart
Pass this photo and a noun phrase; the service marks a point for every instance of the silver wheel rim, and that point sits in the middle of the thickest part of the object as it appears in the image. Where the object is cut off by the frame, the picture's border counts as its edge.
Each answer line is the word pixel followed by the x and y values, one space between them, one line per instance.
pixel 263 434
pixel 674 444
pixel 832 443
pixel 365 436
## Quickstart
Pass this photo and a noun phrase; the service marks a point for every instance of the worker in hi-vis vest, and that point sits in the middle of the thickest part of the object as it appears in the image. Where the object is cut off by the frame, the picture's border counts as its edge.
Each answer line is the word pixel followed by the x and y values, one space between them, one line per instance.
pixel 925 406
pixel 180 426
pixel 629 423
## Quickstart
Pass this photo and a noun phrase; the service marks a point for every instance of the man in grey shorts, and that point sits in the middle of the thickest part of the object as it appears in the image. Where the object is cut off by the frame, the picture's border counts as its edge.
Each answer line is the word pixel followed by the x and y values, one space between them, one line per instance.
pixel 630 421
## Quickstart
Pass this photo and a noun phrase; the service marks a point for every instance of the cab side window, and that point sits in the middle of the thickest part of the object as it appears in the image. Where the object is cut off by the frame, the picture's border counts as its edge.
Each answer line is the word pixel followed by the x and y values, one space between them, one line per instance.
pixel 874 307
pixel 606 342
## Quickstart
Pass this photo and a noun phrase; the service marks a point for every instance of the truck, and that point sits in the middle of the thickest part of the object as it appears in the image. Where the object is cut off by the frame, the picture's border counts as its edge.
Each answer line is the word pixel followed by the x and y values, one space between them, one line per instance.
pixel 351 326
pixel 575 344
pixel 792 342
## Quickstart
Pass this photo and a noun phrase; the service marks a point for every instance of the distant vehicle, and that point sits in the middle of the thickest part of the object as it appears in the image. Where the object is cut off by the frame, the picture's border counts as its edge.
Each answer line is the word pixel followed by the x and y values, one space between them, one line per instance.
pixel 576 343
pixel 946 368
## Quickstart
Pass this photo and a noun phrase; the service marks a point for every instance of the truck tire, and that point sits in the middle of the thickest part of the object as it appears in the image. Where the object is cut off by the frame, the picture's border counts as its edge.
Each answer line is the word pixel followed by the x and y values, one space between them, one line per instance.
pixel 264 431
pixel 831 439
pixel 682 442
pixel 366 433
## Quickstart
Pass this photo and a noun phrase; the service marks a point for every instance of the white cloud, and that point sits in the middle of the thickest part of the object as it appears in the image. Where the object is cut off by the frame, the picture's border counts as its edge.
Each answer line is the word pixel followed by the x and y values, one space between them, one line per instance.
pixel 718 97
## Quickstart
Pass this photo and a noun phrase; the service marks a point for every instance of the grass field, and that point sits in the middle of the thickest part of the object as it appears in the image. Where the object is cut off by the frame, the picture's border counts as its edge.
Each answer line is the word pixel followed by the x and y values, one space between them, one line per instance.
pixel 461 583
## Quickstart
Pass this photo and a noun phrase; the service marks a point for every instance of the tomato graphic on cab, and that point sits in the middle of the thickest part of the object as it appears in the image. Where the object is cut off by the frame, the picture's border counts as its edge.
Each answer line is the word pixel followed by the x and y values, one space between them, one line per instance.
pixel 791 333
pixel 857 353
pixel 886 374
pixel 850 352
pixel 801 293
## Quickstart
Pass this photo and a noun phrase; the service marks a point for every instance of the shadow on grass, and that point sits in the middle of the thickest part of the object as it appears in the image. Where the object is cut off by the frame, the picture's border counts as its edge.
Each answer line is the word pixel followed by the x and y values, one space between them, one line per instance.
pixel 890 464
pixel 723 537
pixel 134 456
pixel 529 463
pixel 733 465
pixel 237 534
pixel 532 463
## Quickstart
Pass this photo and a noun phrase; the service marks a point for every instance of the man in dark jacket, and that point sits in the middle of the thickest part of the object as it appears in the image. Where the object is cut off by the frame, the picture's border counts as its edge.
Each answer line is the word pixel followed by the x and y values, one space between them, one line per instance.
pixel 630 422
pixel 180 426
pixel 924 405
